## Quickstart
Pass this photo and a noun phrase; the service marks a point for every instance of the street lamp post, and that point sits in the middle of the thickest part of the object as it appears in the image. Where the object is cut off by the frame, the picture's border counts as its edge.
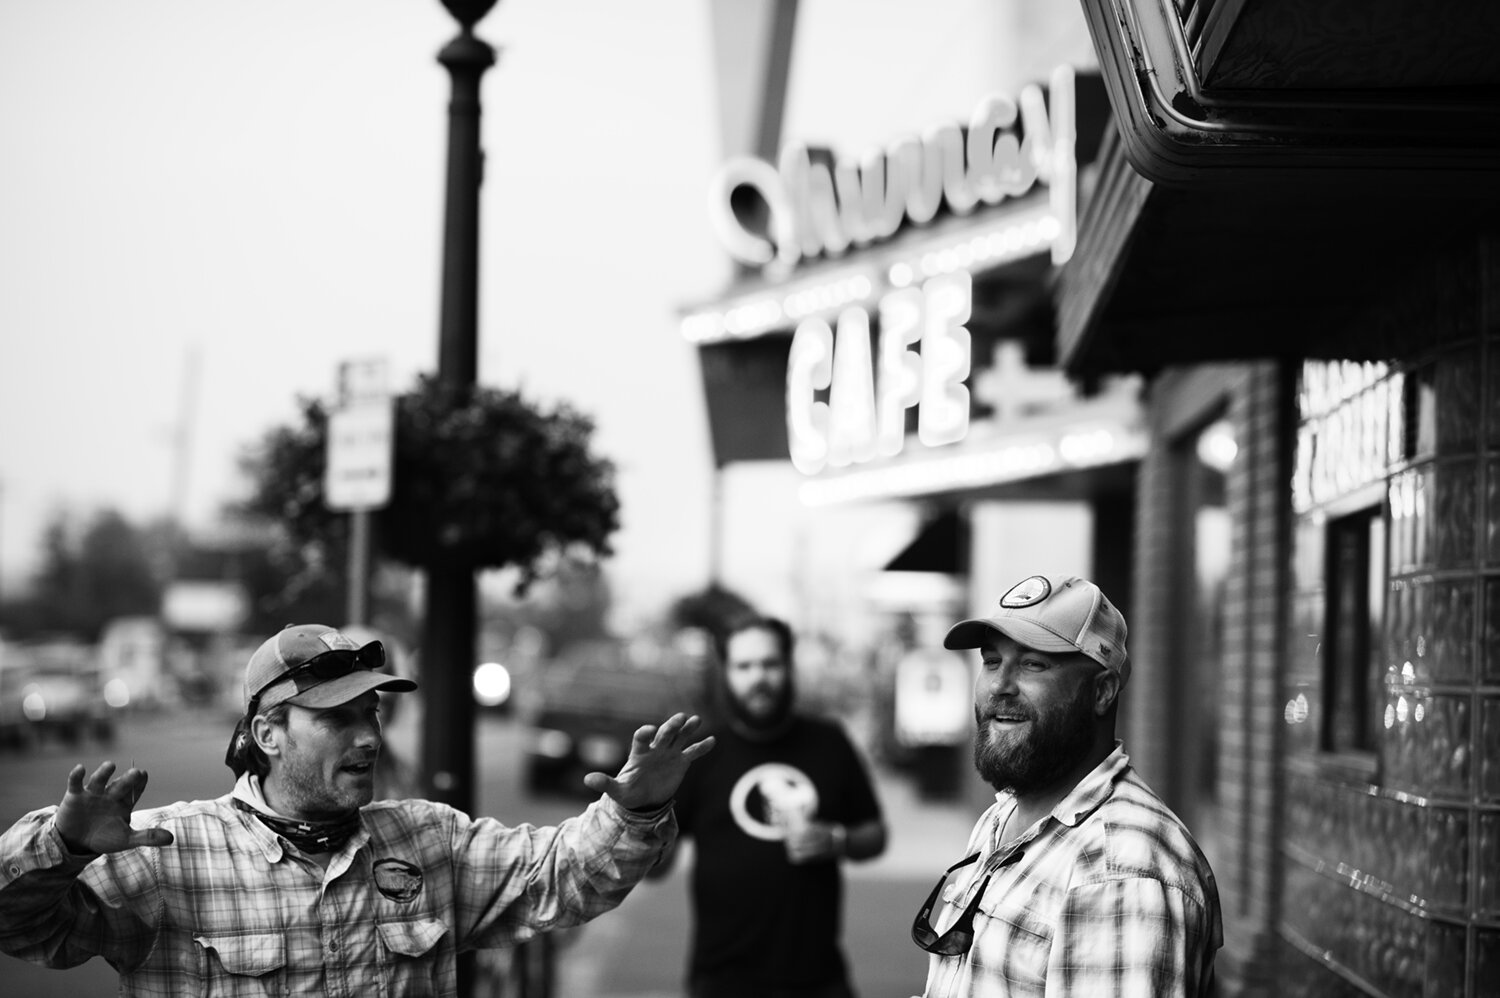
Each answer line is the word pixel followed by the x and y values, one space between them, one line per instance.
pixel 448 640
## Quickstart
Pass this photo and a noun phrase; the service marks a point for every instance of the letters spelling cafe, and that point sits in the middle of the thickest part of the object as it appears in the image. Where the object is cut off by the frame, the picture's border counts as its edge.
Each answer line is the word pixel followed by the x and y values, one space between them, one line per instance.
pixel 890 334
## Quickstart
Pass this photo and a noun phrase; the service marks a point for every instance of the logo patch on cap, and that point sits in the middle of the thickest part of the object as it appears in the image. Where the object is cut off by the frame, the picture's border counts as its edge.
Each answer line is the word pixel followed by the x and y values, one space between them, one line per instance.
pixel 1027 592
pixel 337 642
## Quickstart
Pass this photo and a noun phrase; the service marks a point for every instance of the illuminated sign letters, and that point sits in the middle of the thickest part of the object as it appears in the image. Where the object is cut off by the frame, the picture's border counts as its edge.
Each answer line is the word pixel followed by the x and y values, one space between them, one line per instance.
pixel 817 210
pixel 865 416
pixel 1352 428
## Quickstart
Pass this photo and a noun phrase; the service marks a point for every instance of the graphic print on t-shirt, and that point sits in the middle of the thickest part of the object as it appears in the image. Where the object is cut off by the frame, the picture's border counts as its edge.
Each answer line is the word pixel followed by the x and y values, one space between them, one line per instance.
pixel 772 798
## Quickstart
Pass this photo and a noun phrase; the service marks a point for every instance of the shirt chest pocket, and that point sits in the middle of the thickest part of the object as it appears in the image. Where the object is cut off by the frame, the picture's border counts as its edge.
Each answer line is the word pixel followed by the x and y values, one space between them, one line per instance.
pixel 1011 941
pixel 249 964
pixel 408 956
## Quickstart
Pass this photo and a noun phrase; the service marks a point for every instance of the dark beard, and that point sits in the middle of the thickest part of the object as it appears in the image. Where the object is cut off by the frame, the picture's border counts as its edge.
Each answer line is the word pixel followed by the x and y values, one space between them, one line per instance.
pixel 1058 740
pixel 758 725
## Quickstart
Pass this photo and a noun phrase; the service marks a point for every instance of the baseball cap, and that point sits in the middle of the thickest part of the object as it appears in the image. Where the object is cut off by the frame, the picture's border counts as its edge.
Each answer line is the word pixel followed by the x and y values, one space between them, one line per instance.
pixel 278 672
pixel 1059 613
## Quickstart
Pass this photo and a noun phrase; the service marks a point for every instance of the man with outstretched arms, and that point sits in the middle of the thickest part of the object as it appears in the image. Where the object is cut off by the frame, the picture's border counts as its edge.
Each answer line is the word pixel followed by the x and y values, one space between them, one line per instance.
pixel 297 882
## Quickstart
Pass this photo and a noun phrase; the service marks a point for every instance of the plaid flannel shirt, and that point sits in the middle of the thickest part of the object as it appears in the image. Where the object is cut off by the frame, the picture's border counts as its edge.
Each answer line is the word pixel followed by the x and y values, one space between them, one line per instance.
pixel 1110 896
pixel 230 908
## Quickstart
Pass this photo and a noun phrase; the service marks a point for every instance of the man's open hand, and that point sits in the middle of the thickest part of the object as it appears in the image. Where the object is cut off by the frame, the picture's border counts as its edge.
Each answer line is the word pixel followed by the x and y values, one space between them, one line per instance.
pixel 94 816
pixel 659 758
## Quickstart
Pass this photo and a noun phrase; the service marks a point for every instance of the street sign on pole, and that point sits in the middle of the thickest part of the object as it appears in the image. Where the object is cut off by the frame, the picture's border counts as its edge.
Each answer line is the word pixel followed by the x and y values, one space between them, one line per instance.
pixel 357 468
pixel 361 435
pixel 362 380
pixel 358 471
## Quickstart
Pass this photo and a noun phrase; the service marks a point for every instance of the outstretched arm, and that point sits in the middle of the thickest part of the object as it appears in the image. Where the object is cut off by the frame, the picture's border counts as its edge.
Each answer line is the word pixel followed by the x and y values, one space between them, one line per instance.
pixel 61 900
pixel 659 759
pixel 527 879
pixel 94 816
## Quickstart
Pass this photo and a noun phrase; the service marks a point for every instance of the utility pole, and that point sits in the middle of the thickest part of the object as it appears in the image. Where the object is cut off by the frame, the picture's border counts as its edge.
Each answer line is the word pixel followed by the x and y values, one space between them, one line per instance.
pixel 182 434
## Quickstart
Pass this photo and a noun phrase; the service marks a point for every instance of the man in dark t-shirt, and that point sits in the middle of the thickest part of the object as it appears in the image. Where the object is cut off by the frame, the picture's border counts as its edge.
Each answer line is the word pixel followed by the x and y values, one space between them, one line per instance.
pixel 773 810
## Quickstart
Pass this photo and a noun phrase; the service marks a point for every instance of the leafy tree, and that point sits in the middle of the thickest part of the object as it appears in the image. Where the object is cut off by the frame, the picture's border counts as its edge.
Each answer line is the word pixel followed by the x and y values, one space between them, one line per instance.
pixel 116 577
pixel 481 478
pixel 88 577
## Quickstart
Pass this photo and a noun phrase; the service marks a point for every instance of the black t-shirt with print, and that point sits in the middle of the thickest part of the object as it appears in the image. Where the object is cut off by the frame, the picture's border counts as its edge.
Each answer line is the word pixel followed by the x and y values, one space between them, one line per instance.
pixel 758 918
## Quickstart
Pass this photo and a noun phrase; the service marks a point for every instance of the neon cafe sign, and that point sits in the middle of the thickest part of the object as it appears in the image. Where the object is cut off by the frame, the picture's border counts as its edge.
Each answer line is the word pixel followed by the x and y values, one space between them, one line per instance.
pixel 922 296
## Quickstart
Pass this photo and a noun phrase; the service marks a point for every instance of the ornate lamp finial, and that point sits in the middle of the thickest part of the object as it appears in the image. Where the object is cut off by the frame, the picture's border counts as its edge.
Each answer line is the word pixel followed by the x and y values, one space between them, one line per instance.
pixel 468 12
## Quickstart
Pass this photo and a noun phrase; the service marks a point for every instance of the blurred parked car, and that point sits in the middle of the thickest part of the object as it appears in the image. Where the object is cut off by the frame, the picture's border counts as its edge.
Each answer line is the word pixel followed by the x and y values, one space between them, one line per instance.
pixel 15 730
pixel 58 685
pixel 132 659
pixel 588 704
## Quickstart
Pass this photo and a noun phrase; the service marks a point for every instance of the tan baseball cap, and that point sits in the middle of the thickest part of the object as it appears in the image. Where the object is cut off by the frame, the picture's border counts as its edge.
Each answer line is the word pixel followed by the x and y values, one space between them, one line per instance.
pixel 1059 613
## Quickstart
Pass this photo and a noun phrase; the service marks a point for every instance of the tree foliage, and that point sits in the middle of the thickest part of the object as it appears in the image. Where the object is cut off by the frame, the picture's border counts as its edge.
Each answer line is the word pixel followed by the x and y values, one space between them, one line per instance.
pixel 89 574
pixel 481 478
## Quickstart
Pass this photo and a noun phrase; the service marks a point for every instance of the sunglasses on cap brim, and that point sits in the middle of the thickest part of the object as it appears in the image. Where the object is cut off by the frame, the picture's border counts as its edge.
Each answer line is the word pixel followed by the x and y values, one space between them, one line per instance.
pixel 329 665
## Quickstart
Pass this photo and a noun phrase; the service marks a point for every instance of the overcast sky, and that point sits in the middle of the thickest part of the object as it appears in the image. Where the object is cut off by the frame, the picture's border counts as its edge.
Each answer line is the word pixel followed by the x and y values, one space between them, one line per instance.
pixel 204 207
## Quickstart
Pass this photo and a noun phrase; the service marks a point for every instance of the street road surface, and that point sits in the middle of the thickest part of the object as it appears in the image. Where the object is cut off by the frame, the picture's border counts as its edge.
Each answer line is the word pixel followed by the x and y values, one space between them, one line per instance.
pixel 637 951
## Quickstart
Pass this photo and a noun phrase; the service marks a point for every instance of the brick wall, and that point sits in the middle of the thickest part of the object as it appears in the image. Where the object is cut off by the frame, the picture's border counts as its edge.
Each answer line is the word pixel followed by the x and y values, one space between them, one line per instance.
pixel 1237 829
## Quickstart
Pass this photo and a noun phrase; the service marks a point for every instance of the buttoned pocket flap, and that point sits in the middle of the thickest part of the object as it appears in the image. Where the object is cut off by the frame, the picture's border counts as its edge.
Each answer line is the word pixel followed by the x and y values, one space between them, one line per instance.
pixel 1032 919
pixel 251 955
pixel 412 938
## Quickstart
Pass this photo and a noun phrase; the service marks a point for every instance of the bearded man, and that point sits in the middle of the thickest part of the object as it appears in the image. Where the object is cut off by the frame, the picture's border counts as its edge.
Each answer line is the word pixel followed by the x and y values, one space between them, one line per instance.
pixel 1078 880
pixel 783 800
pixel 297 881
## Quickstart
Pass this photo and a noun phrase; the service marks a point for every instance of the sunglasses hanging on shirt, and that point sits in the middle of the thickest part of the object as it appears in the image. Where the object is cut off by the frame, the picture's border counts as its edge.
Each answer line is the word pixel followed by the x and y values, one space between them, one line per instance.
pixel 960 935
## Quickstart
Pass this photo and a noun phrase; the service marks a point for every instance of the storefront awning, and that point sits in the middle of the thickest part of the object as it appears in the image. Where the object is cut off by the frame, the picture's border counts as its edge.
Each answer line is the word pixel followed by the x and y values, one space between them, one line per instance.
pixel 1167 275
pixel 1253 200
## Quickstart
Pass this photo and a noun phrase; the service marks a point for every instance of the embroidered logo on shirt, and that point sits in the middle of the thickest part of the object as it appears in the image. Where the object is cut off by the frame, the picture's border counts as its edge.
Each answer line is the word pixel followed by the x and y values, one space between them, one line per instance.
pixel 398 880
pixel 771 799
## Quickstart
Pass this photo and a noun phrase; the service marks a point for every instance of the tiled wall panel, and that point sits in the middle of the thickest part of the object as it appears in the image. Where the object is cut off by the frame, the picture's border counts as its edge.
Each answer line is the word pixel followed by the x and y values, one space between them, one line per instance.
pixel 1392 877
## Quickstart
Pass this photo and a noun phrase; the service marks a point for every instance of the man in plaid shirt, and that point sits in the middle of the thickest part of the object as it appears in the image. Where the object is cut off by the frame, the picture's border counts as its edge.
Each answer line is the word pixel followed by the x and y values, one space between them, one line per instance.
pixel 295 882
pixel 1078 880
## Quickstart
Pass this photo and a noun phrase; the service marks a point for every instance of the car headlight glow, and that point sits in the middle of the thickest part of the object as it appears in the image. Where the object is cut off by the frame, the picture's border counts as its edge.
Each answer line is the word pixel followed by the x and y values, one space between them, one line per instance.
pixel 116 693
pixel 551 743
pixel 491 684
